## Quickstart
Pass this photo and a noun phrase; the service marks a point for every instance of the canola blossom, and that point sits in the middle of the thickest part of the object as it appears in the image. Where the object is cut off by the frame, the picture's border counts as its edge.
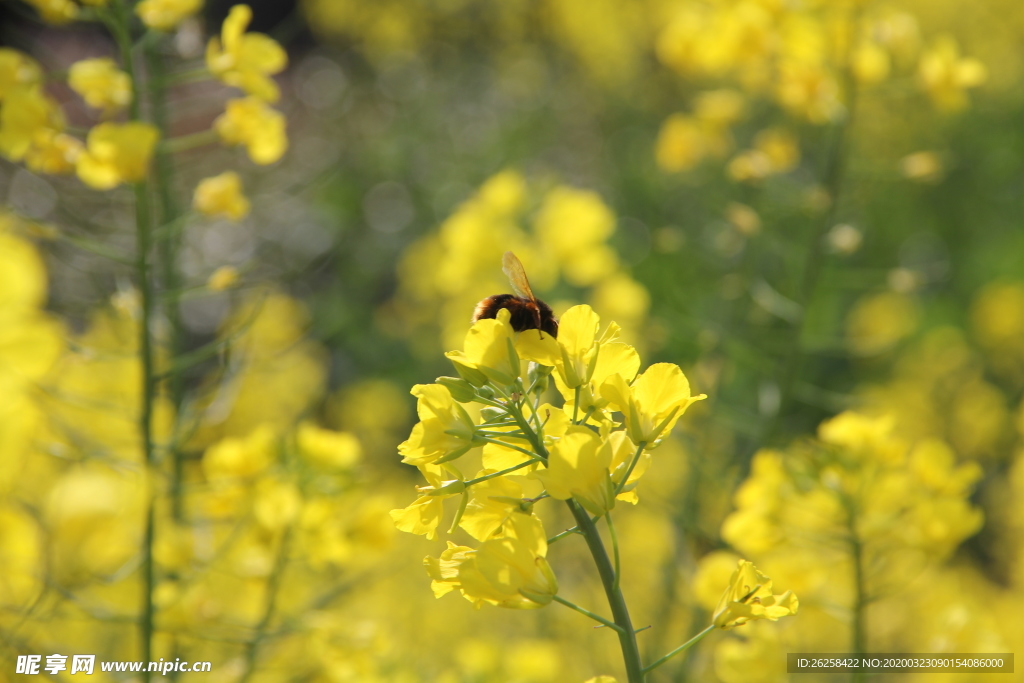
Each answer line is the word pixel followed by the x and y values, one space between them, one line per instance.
pixel 587 459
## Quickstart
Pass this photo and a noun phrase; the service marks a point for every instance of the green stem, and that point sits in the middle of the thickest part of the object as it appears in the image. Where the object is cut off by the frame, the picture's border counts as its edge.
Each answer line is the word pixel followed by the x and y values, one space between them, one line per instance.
pixel 120 22
pixel 595 617
pixel 620 613
pixel 273 588
pixel 188 142
pixel 615 547
pixel 503 472
pixel 168 212
pixel 859 634
pixel 632 464
pixel 682 648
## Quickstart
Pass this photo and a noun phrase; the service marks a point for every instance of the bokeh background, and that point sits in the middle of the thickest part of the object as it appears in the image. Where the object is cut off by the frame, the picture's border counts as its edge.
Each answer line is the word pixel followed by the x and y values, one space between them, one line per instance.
pixel 815 208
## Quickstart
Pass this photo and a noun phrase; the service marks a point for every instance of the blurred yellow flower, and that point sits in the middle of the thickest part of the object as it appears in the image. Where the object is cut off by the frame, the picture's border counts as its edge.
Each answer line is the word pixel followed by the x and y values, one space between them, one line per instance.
pixel 246 60
pixel 946 76
pixel 222 278
pixel 654 402
pixel 221 195
pixel 870 63
pixel 577 468
pixel 749 597
pixel 326 448
pixel 28 115
pixel 165 15
pixel 775 151
pixel 924 167
pixel 53 152
pixel 101 84
pixel 581 251
pixel 240 458
pixel 681 145
pixel 17 69
pixel 250 122
pixel 877 322
pixel 55 11
pixel 117 153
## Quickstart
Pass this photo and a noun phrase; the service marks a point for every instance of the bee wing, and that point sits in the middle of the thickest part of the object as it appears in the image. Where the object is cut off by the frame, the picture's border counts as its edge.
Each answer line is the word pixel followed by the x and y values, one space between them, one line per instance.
pixel 513 268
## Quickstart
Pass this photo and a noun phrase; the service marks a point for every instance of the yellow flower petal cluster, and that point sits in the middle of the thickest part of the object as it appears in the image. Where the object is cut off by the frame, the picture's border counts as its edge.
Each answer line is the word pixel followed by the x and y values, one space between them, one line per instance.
pixel 507 571
pixel 17 69
pixel 221 195
pixel 749 597
pixel 101 84
pixel 946 76
pixel 445 429
pixel 117 153
pixel 579 453
pixel 55 11
pixel 653 403
pixel 31 122
pixel 246 60
pixel 165 15
pixel 578 467
pixel 250 122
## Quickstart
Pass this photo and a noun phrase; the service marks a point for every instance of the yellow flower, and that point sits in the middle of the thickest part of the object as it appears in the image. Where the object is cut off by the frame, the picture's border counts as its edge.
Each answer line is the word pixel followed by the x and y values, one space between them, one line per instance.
pixel 749 597
pixel 578 468
pixel 117 153
pixel 946 76
pixel 221 195
pixel 27 116
pixel 423 515
pixel 508 572
pixel 222 278
pixel 101 84
pixel 582 359
pixel 241 458
pixel 445 430
pixel 490 348
pixel 246 60
pixel 55 11
pixel 491 504
pixel 653 404
pixel 326 448
pixel 165 15
pixel 681 145
pixel 252 123
pixel 17 69
pixel 53 152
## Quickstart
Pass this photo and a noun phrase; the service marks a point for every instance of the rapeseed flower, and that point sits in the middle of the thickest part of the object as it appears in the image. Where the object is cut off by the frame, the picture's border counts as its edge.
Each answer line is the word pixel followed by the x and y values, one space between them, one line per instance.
pixel 246 60
pixel 749 597
pixel 653 403
pixel 17 69
pixel 250 122
pixel 221 195
pixel 117 153
pixel 165 15
pixel 578 467
pixel 101 84
pixel 445 430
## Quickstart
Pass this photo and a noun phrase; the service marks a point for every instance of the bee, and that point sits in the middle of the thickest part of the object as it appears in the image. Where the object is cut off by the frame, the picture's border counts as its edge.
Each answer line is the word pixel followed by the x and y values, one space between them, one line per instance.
pixel 527 311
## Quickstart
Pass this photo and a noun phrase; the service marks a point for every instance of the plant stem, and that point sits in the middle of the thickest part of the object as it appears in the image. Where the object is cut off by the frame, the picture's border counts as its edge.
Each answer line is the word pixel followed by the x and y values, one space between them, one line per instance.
pixel 120 23
pixel 620 613
pixel 167 213
pixel 682 648
pixel 595 617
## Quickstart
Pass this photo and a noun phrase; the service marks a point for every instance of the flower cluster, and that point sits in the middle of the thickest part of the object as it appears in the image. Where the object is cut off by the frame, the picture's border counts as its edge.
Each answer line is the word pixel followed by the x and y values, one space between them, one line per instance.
pixel 804 59
pixel 33 128
pixel 529 450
